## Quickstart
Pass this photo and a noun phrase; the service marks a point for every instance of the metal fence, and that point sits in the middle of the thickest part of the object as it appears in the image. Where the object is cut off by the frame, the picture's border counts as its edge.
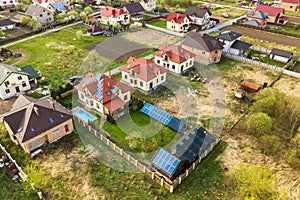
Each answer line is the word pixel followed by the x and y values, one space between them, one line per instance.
pixel 154 175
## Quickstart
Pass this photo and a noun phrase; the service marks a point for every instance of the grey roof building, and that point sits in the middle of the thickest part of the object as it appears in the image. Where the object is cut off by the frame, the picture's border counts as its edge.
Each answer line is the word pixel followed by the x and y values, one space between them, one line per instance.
pixel 42 15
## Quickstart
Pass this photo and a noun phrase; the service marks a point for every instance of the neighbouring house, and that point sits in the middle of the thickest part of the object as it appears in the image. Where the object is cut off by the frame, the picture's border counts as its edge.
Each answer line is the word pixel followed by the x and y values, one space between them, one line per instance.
pixel 240 48
pixel 200 16
pixel 207 49
pixel 110 15
pixel 7 24
pixel 250 87
pixel 178 22
pixel 95 30
pixel 228 38
pixel 173 160
pixel 42 15
pixel 135 9
pixel 7 4
pixel 33 123
pixel 57 7
pixel 292 5
pixel 32 73
pixel 148 5
pixel 104 95
pixel 13 81
pixel 256 18
pixel 281 55
pixel 144 74
pixel 174 58
pixel 275 15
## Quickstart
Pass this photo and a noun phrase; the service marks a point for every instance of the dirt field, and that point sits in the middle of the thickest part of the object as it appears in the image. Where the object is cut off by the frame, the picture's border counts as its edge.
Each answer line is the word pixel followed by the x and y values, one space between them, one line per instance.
pixel 294 20
pixel 279 39
pixel 151 38
pixel 6 105
pixel 288 85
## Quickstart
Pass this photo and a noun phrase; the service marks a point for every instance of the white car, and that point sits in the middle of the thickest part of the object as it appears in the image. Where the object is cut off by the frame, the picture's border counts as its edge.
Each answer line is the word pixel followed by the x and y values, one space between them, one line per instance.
pixel 46 92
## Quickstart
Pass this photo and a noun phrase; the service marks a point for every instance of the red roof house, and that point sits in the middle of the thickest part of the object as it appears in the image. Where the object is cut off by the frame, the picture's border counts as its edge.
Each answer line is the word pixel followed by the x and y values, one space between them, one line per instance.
pixel 143 73
pixel 275 15
pixel 293 5
pixel 110 15
pixel 178 22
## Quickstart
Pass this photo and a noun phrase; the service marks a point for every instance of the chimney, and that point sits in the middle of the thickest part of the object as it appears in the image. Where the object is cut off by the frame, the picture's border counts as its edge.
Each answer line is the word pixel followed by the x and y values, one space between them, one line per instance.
pixel 108 84
pixel 52 106
pixel 36 110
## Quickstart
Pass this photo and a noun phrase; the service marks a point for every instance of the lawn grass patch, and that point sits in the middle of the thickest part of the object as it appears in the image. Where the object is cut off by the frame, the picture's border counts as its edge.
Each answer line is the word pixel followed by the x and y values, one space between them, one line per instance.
pixel 159 23
pixel 265 58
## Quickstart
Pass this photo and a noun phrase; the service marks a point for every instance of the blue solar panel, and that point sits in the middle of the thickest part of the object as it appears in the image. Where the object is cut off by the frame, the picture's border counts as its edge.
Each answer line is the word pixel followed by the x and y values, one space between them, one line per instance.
pixel 98 77
pixel 114 89
pixel 166 161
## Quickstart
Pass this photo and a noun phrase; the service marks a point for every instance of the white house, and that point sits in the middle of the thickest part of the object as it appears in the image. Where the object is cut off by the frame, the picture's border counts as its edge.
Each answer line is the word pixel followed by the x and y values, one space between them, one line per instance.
pixel 6 4
pixel 104 95
pixel 178 22
pixel 110 15
pixel 6 24
pixel 281 55
pixel 41 14
pixel 143 74
pixel 174 58
pixel 12 81
pixel 200 16
pixel 228 38
pixel 148 5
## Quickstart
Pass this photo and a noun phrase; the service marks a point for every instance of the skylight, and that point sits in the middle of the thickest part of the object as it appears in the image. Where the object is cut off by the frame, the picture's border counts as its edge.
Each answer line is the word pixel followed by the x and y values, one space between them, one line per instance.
pixel 32 129
pixel 107 93
pixel 20 129
pixel 51 120
pixel 61 115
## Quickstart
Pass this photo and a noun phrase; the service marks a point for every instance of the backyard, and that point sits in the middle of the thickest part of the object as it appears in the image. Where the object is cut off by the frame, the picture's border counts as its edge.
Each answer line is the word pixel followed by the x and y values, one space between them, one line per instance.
pixel 232 12
pixel 265 58
pixel 159 23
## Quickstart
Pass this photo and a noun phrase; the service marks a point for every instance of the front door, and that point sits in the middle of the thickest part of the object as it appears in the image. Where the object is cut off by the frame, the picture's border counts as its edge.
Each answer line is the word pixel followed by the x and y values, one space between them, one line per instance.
pixel 17 89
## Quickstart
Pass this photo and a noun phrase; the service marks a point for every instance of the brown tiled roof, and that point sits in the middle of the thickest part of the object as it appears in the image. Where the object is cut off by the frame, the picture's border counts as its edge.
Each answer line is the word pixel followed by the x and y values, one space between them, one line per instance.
pixel 144 69
pixel 26 124
pixel 114 104
pixel 203 42
pixel 175 53
pixel 178 17
pixel 110 11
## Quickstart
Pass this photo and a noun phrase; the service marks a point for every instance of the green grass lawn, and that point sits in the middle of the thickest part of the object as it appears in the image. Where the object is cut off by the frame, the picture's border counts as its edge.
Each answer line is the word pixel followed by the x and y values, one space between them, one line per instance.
pixel 140 132
pixel 265 58
pixel 290 13
pixel 285 30
pixel 56 55
pixel 159 23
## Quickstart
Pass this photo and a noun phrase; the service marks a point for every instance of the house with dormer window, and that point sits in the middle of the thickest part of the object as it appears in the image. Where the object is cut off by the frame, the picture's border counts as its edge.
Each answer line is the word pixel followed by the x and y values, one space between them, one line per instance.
pixel 174 58
pixel 110 16
pixel 178 22
pixel 104 95
pixel 144 74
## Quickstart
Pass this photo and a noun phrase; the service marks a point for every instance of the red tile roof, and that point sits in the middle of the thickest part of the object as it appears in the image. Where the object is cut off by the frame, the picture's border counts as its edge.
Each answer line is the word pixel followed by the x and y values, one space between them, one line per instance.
pixel 272 11
pixel 250 85
pixel 91 83
pixel 110 11
pixel 114 104
pixel 291 1
pixel 175 53
pixel 178 17
pixel 144 69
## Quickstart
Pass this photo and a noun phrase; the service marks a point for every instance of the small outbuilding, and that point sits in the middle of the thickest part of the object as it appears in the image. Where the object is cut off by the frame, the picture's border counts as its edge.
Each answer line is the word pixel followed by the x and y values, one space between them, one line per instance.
pixel 250 87
pixel 281 55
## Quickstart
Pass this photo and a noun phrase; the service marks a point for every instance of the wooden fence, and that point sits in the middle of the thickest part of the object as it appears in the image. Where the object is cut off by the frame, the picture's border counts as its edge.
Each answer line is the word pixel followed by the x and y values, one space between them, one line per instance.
pixel 260 49
pixel 154 175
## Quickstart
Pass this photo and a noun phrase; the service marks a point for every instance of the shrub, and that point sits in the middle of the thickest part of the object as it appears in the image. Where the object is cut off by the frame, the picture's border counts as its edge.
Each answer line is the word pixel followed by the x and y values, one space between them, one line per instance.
pixel 269 144
pixel 259 124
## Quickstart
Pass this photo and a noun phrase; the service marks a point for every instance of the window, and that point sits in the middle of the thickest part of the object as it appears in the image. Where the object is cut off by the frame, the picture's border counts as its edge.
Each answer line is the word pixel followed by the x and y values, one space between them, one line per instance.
pixel 156 80
pixel 97 104
pixel 7 91
pixel 24 84
pixel 56 132
pixel 173 66
pixel 19 77
pixel 162 78
pixel 135 81
pixel 191 63
pixel 41 15
pixel 6 83
pixel 91 102
pixel 132 73
pixel 125 97
pixel 82 96
pixel 216 52
pixel 125 76
pixel 141 84
pixel 36 143
pixel 158 61
pixel 67 128
pixel 131 81
pixel 203 52
pixel 4 2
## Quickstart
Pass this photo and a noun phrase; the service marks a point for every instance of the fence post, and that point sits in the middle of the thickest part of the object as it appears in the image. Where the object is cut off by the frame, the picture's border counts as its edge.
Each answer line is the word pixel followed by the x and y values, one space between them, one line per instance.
pixel 179 179
pixel 144 169
pixel 128 157
pixel 107 141
pixel 101 137
pixel 187 173
pixel 136 162
pixel 171 188
pixel 114 146
pixel 194 166
pixel 161 182
pixel 121 151
pixel 153 175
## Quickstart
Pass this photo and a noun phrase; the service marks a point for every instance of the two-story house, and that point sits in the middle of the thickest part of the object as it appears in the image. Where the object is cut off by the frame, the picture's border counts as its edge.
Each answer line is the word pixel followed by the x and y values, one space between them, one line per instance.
pixel 32 123
pixel 256 18
pixel 135 9
pixel 200 16
pixel 148 5
pixel 41 14
pixel 144 74
pixel 110 15
pixel 207 49
pixel 13 81
pixel 275 15
pixel 104 95
pixel 292 5
pixel 178 22
pixel 174 58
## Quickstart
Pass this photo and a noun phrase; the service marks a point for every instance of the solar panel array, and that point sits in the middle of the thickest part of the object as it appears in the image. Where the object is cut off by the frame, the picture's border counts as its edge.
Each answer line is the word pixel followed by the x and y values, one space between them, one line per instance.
pixel 166 161
pixel 163 117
